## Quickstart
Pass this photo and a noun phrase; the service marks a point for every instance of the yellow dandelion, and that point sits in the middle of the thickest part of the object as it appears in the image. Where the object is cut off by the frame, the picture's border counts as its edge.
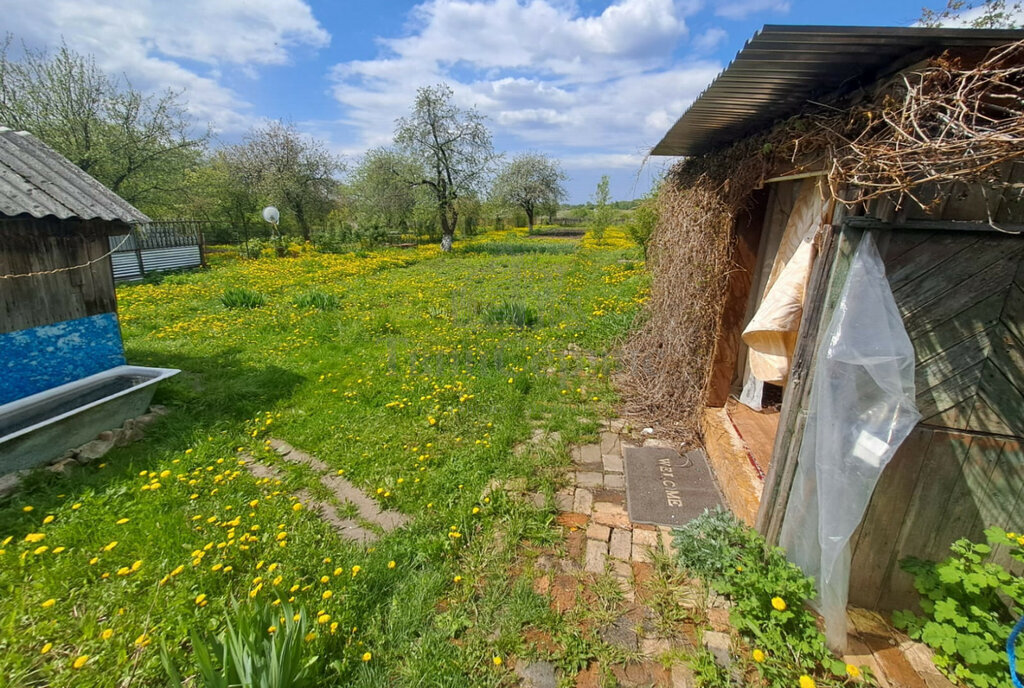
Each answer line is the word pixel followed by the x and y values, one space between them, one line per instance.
pixel 297 506
pixel 356 569
pixel 391 564
pixel 758 656
pixel 201 599
pixel 76 506
pixel 109 546
pixel 496 660
pixel 45 648
pixel 807 682
pixel 48 519
pixel 80 662
pixel 48 603
pixel 27 509
pixel 34 537
pixel 122 521
pixel 852 671
pixel 107 633
pixel 327 595
pixel 367 656
pixel 779 603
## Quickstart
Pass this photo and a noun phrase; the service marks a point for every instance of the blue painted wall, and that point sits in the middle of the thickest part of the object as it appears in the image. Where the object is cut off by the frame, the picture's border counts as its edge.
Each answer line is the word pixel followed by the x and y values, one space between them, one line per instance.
pixel 43 357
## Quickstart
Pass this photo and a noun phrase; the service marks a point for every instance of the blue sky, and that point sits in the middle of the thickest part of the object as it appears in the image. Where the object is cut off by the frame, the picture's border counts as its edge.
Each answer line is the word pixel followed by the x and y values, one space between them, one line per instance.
pixel 594 84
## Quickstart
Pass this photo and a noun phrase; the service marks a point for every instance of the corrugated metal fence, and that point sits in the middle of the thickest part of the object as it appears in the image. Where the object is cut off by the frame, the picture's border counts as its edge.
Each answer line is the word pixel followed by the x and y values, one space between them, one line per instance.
pixel 157 247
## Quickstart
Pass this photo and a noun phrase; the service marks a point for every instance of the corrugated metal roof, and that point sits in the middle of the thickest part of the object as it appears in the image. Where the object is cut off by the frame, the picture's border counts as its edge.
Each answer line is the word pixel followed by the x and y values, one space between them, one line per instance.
pixel 39 181
pixel 783 67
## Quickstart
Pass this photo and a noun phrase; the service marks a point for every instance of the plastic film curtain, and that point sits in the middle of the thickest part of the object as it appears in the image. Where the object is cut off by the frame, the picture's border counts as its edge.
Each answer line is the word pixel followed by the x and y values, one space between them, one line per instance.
pixel 860 409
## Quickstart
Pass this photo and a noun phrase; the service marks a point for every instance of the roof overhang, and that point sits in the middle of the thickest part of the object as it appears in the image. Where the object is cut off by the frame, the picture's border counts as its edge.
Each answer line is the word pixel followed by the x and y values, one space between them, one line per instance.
pixel 783 68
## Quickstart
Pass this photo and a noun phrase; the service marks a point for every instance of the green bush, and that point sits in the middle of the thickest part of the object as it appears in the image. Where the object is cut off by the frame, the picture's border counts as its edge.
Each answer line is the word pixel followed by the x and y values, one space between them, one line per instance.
pixel 768 593
pixel 318 300
pixel 970 604
pixel 264 648
pixel 240 297
pixel 513 313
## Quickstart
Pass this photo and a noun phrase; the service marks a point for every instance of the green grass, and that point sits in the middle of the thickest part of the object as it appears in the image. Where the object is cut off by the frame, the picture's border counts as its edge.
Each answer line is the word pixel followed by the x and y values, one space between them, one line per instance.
pixel 508 312
pixel 509 248
pixel 404 387
pixel 242 298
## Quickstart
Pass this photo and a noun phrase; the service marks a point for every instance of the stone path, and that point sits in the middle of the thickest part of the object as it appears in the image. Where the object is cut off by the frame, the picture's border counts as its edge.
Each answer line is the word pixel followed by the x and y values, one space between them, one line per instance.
pixel 370 513
pixel 600 540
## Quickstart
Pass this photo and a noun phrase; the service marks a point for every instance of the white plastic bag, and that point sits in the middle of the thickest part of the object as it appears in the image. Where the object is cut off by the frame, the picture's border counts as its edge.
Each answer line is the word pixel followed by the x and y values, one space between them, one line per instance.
pixel 861 408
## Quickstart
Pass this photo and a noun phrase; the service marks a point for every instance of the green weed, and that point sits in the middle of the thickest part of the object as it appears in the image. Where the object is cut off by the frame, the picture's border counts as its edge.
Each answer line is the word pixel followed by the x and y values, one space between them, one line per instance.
pixel 514 313
pixel 317 300
pixel 240 297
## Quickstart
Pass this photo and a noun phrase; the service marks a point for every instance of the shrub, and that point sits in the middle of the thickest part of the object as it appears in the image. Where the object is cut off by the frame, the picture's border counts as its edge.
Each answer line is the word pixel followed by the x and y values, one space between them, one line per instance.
pixel 248 653
pixel 240 297
pixel 318 300
pixel 513 313
pixel 642 221
pixel 768 593
pixel 967 602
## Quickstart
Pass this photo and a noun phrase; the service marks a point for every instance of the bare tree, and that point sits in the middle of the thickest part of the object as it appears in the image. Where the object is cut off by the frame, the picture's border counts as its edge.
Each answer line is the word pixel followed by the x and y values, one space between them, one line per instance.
pixel 454 147
pixel 140 146
pixel 294 172
pixel 988 14
pixel 531 181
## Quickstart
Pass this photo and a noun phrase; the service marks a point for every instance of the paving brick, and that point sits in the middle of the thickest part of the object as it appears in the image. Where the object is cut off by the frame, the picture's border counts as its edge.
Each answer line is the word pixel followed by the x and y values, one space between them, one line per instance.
pixel 615 481
pixel 642 536
pixel 564 502
pixel 589 479
pixel 588 453
pixel 640 554
pixel 612 520
pixel 570 519
pixel 653 647
pixel 596 531
pixel 596 553
pixel 612 463
pixel 619 547
pixel 609 442
pixel 666 542
pixel 583 501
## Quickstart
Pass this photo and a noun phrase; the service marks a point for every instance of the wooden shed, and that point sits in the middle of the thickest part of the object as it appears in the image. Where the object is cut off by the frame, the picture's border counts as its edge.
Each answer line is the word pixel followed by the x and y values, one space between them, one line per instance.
pixel 952 252
pixel 58 309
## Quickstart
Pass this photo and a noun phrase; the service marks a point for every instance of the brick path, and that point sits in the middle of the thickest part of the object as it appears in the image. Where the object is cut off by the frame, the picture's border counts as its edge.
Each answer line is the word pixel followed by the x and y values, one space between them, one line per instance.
pixel 601 540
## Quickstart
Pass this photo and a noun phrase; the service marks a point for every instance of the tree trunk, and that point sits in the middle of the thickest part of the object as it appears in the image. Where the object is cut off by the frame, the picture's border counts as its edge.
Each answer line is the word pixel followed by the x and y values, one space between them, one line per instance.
pixel 529 220
pixel 449 220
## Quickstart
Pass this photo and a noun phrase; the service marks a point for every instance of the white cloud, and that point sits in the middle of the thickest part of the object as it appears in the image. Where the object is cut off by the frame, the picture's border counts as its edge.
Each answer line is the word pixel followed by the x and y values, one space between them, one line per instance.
pixel 594 89
pixel 184 45
pixel 741 9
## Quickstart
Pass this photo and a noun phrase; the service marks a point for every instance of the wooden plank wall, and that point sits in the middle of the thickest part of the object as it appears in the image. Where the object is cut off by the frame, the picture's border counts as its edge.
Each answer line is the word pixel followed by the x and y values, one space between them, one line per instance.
pixel 32 245
pixel 961 295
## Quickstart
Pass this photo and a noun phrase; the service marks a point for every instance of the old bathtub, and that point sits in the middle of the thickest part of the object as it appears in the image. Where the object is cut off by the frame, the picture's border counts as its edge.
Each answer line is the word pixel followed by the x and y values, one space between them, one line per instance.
pixel 41 427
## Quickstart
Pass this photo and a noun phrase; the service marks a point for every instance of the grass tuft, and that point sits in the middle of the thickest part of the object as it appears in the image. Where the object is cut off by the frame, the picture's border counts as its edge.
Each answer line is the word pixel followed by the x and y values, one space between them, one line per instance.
pixel 318 300
pixel 240 297
pixel 515 313
pixel 508 248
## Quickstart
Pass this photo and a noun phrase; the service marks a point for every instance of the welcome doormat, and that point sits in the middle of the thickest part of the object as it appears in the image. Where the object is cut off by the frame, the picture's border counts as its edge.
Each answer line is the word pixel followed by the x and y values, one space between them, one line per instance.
pixel 666 488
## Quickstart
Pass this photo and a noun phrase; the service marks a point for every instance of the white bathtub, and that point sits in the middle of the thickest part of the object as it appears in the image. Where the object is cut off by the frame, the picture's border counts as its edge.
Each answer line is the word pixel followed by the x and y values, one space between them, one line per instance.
pixel 41 427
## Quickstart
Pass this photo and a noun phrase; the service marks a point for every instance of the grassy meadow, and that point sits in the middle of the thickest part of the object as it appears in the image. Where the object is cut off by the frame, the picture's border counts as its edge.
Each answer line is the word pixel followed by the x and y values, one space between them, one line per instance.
pixel 411 373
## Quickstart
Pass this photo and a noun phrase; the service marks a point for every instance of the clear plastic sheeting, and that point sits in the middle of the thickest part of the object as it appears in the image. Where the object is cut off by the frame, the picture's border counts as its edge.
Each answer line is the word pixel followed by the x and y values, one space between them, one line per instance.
pixel 860 409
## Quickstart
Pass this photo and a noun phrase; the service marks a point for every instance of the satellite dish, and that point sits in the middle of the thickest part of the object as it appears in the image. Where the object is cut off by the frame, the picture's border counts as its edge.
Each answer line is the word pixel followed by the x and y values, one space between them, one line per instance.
pixel 271 215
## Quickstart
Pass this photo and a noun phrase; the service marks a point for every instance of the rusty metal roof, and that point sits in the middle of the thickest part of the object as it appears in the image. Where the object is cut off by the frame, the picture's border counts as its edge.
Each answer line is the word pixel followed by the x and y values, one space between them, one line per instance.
pixel 38 181
pixel 782 68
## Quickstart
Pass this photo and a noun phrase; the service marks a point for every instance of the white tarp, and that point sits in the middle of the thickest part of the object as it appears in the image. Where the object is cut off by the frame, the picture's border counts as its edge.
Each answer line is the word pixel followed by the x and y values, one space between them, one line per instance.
pixel 860 409
pixel 771 334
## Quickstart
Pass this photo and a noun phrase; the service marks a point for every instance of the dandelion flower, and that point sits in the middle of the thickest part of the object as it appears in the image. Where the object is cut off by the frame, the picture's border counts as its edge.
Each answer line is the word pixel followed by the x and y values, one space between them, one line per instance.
pixel 297 506
pixel 852 671
pixel 367 656
pixel 310 636
pixel 122 521
pixel 143 640
pixel 45 648
pixel 27 509
pixel 391 564
pixel 48 603
pixel 457 579
pixel 107 633
pixel 109 546
pixel 80 662
pixel 779 603
pixel 356 569
pixel 807 682
pixel 201 599
pixel 48 519
pixel 76 506
pixel 496 660
pixel 34 537
pixel 758 656
pixel 327 595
